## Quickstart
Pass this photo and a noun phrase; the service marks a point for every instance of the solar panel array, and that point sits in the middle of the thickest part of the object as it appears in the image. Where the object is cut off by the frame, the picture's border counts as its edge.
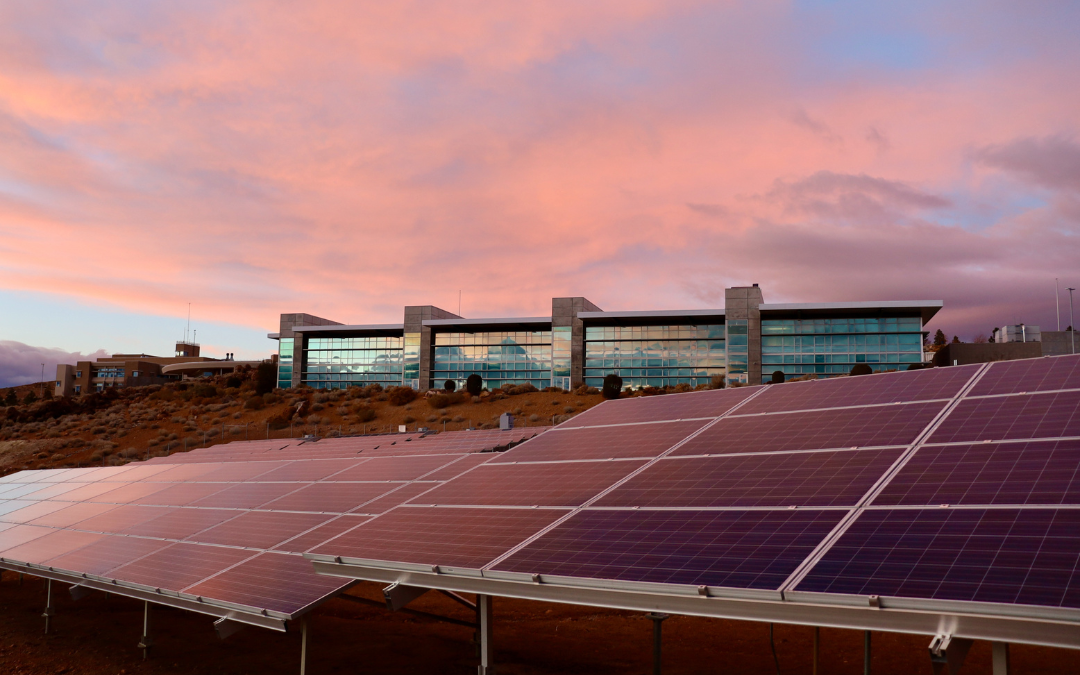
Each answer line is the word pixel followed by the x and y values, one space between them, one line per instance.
pixel 226 525
pixel 959 483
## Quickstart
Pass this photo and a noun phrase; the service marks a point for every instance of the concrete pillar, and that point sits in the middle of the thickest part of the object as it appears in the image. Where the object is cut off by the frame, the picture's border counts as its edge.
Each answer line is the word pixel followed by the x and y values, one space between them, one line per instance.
pixel 565 323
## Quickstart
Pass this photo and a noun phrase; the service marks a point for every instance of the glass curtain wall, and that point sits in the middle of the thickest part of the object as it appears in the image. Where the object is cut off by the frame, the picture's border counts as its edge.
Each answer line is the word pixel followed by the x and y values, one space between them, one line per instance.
pixel 513 357
pixel 561 339
pixel 832 346
pixel 654 356
pixel 737 350
pixel 285 363
pixel 412 361
pixel 336 363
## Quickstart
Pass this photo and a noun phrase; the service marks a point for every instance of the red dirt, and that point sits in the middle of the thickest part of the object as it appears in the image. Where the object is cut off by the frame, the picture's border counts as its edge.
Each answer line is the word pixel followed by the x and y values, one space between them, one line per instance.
pixel 98 636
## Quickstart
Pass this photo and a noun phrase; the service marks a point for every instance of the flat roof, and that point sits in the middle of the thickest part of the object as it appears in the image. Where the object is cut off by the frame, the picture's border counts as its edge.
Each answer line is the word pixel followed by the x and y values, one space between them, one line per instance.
pixel 927 308
pixel 657 313
pixel 344 328
pixel 489 322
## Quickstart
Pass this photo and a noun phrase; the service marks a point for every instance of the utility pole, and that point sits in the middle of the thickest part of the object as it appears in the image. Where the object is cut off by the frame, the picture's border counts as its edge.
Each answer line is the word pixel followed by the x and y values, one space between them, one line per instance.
pixel 1072 323
pixel 1057 302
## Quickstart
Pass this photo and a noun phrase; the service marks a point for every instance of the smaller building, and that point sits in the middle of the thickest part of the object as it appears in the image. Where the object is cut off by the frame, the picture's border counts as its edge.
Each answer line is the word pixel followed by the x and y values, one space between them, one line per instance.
pixel 137 370
pixel 964 353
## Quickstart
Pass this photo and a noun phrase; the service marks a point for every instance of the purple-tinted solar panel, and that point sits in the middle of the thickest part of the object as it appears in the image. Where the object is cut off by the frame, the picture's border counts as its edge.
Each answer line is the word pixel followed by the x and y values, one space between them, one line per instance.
pixel 87 492
pixel 58 542
pixel 106 554
pixel 238 471
pixel 450 537
pixel 181 494
pixel 53 490
pixel 691 405
pixel 632 440
pixel 125 494
pixel 741 549
pixel 121 518
pixel 998 419
pixel 330 497
pixel 820 429
pixel 405 493
pixel 73 514
pixel 259 529
pixel 182 473
pixel 395 468
pixel 33 511
pixel 837 478
pixel 907 386
pixel 247 495
pixel 180 523
pixel 309 470
pixel 1015 556
pixel 460 466
pixel 1047 374
pixel 179 566
pixel 275 581
pixel 17 491
pixel 322 533
pixel 20 534
pixel 140 471
pixel 545 484
pixel 1045 472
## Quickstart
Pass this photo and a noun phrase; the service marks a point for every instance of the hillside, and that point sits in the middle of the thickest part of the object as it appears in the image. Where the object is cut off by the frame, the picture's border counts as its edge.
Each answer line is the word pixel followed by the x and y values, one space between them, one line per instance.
pixel 121 425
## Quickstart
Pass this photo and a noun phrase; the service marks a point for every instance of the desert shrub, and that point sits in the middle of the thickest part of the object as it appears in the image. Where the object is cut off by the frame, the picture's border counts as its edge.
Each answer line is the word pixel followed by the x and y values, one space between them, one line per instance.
pixel 438 401
pixel 450 386
pixel 365 413
pixel 401 395
pixel 458 418
pixel 525 388
pixel 777 377
pixel 265 378
pixel 717 382
pixel 237 415
pixel 11 398
pixel 409 419
pixel 612 386
pixel 129 453
pixel 30 397
pixel 474 384
pixel 317 407
pixel 568 409
pixel 432 418
pixel 206 391
pixel 586 390
pixel 861 369
pixel 234 382
pixel 98 430
pixel 534 418
pixel 682 387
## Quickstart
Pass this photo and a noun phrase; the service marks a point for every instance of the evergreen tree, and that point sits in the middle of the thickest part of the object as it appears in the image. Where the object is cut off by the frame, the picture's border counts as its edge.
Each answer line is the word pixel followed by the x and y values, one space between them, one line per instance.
pixel 12 398
pixel 939 338
pixel 955 340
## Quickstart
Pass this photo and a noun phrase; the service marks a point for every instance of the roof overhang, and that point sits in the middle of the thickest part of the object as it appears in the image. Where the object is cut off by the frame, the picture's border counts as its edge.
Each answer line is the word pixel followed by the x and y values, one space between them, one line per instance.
pixel 527 322
pixel 651 317
pixel 1048 626
pixel 203 366
pixel 364 328
pixel 924 308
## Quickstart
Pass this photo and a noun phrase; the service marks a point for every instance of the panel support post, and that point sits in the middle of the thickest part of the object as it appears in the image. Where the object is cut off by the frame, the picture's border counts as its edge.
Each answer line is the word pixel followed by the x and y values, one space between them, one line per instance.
pixel 1001 658
pixel 146 642
pixel 657 632
pixel 817 649
pixel 866 653
pixel 303 644
pixel 487 650
pixel 49 611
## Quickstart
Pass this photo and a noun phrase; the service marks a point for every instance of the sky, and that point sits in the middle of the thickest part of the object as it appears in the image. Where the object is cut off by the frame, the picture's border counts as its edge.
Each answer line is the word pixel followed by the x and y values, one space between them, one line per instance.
pixel 346 159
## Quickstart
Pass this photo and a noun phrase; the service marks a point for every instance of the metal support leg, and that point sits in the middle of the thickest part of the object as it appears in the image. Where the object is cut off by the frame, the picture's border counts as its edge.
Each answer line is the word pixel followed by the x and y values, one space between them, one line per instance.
pixel 657 634
pixel 866 653
pixel 49 611
pixel 303 644
pixel 487 651
pixel 146 642
pixel 1001 658
pixel 817 649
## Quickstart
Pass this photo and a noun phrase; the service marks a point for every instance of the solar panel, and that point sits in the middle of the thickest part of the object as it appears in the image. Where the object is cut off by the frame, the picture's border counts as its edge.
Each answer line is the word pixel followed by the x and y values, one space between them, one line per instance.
pixel 397 468
pixel 247 495
pixel 105 555
pixel 127 493
pixel 546 484
pixel 838 478
pixel 1005 417
pixel 54 543
pixel 321 534
pixel 401 494
pixel 31 512
pixel 330 497
pixel 178 566
pixel 907 386
pixel 635 440
pixel 181 494
pixel 1046 374
pixel 118 519
pixel 174 523
pixel 309 470
pixel 452 537
pixel 815 430
pixel 275 581
pixel 17 535
pixel 988 473
pixel 460 466
pixel 739 549
pixel 259 529
pixel 691 405
pixel 72 514
pixel 1013 556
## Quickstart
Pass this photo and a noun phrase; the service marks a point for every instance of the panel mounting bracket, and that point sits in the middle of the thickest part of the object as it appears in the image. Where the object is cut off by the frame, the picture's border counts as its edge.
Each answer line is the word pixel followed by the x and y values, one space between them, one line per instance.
pixel 947 653
pixel 399 595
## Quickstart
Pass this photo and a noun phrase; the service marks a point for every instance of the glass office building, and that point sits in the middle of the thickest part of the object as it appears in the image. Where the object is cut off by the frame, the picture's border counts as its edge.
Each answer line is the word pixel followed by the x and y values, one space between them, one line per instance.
pixel 746 342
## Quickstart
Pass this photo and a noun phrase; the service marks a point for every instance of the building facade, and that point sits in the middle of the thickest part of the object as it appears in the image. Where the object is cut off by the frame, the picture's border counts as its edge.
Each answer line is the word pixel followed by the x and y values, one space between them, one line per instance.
pixel 745 342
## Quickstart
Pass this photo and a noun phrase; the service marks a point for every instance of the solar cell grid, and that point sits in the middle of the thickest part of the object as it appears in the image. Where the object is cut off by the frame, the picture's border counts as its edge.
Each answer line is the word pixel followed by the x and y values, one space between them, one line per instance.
pixel 275 581
pixel 32 511
pixel 330 497
pixel 19 535
pixel 127 493
pixel 907 386
pixel 17 491
pixel 402 494
pixel 178 566
pixel 815 430
pixel 13 505
pixel 837 478
pixel 180 523
pixel 88 491
pixel 544 484
pixel 247 495
pixel 311 470
pixel 739 549
pixel 1013 556
pixel 181 494
pixel 1006 417
pixel 396 469
pixel 691 405
pixel 72 514
pixel 451 537
pixel 635 440
pixel 51 545
pixel 118 519
pixel 460 466
pixel 259 529
pixel 1046 374
pixel 50 491
pixel 321 534
pixel 988 473
pixel 106 554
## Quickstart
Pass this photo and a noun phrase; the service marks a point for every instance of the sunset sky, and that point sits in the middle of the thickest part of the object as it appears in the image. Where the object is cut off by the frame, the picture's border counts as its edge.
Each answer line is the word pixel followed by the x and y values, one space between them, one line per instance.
pixel 345 159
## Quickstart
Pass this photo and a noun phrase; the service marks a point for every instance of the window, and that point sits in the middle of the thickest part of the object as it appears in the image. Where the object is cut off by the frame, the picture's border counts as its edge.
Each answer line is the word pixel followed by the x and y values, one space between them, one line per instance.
pixel 78 373
pixel 78 389
pixel 134 373
pixel 58 383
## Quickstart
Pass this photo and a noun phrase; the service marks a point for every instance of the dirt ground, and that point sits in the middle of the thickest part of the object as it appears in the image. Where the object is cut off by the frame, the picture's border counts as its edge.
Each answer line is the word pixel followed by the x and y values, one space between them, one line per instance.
pixel 98 636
